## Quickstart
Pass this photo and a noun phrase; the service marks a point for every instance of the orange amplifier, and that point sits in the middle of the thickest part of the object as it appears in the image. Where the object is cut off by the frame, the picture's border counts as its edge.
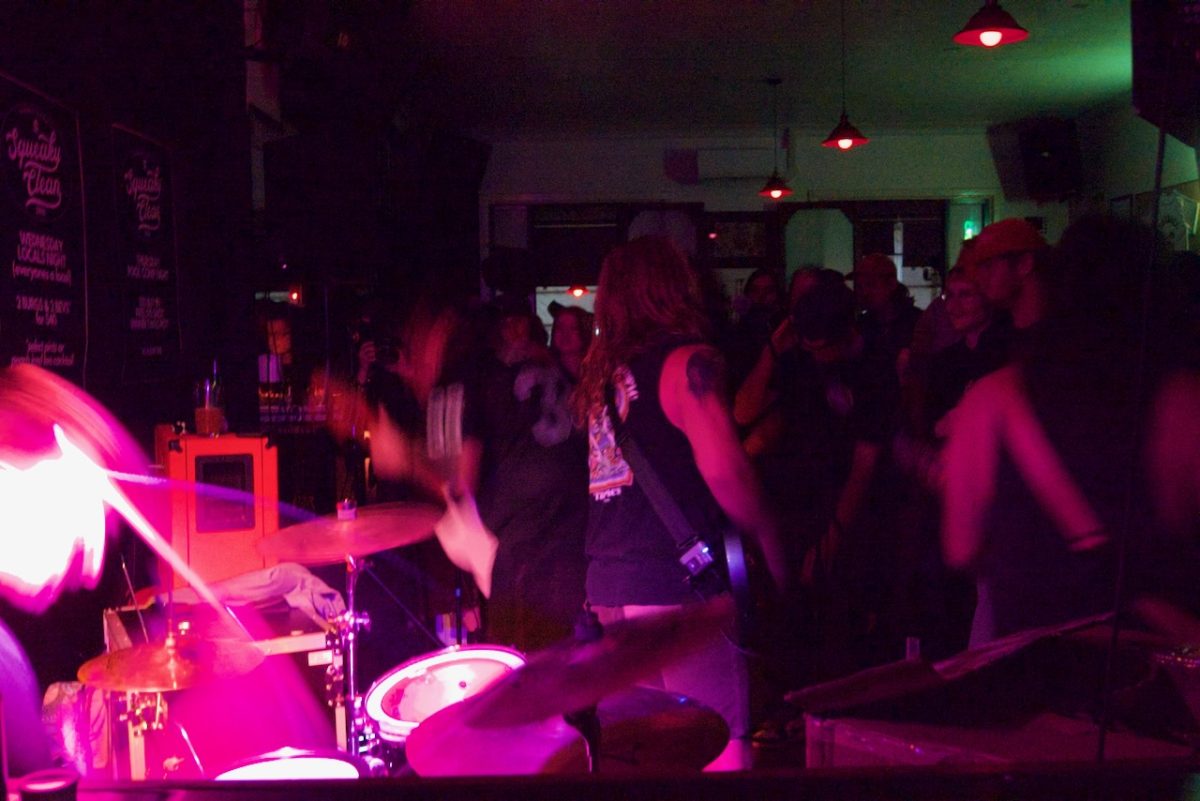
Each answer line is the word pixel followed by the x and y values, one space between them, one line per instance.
pixel 216 525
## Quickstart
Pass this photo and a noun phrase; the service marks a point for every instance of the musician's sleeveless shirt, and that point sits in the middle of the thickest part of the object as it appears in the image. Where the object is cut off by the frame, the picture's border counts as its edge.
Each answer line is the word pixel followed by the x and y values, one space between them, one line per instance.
pixel 632 558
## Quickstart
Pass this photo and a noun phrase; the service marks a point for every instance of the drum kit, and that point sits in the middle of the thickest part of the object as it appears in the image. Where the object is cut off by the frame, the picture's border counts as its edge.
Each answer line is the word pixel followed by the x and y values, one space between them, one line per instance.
pixel 465 710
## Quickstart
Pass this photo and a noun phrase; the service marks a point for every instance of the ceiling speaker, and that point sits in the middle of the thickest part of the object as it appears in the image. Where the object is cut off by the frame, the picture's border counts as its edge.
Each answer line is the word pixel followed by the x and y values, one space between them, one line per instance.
pixel 1037 159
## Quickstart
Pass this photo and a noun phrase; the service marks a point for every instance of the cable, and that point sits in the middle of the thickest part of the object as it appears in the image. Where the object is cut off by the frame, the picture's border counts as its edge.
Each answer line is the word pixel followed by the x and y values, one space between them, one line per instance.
pixel 408 613
pixel 133 600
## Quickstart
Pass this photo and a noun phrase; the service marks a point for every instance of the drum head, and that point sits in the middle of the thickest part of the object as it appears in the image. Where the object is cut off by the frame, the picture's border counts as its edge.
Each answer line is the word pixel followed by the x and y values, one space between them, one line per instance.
pixel 288 764
pixel 408 694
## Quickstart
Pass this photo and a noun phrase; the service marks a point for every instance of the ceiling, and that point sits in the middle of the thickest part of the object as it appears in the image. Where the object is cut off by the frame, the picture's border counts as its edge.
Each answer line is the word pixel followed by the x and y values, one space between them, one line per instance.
pixel 545 68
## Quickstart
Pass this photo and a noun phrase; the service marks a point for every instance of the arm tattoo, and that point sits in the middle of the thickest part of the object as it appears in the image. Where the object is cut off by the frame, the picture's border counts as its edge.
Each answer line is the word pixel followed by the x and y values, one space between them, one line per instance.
pixel 706 373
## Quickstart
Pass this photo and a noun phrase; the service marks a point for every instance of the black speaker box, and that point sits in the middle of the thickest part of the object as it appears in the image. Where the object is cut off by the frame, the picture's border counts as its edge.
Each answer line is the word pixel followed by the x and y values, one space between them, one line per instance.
pixel 1166 65
pixel 1037 159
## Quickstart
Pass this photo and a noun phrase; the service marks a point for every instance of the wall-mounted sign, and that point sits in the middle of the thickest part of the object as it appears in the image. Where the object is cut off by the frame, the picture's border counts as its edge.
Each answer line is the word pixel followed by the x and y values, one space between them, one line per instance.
pixel 43 255
pixel 145 253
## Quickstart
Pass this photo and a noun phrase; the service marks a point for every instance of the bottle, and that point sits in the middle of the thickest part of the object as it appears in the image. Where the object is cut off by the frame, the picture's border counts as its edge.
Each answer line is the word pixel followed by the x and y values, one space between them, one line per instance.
pixel 210 406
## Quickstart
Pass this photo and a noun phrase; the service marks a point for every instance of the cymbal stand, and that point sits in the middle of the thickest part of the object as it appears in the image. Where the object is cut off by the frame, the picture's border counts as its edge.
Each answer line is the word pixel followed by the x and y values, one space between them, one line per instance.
pixel 349 624
pixel 587 721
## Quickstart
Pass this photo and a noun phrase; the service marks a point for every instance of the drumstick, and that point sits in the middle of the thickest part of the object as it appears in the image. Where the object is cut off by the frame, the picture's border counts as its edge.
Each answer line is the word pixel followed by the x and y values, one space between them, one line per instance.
pixel 117 499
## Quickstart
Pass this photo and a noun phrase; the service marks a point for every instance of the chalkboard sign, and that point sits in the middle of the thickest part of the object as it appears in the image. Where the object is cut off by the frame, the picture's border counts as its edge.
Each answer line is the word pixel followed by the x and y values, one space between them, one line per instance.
pixel 43 255
pixel 145 252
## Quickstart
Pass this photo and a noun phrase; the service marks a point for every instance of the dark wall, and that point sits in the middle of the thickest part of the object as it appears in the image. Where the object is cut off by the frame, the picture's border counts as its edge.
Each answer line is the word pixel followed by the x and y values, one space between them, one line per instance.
pixel 173 71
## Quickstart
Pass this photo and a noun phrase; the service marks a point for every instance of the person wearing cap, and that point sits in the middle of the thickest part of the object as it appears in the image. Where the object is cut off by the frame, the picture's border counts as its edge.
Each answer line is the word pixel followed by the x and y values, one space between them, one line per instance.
pixel 1007 260
pixel 756 400
pixel 837 403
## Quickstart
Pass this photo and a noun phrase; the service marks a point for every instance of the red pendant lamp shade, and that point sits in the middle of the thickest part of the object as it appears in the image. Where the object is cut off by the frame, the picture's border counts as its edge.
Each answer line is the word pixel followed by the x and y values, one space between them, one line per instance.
pixel 844 135
pixel 775 188
pixel 991 26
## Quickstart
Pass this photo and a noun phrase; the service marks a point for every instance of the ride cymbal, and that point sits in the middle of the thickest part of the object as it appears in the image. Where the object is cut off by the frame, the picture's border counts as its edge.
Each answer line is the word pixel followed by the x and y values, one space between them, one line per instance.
pixel 329 540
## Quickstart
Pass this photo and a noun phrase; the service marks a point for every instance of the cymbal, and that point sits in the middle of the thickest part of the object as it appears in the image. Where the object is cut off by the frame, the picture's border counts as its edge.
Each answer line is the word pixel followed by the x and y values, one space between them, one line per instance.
pixel 641 729
pixel 161 668
pixel 573 675
pixel 328 540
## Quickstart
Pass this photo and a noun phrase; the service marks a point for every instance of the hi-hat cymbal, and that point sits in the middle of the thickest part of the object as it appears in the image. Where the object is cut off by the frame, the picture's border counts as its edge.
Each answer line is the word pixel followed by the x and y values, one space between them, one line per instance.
pixel 162 668
pixel 572 675
pixel 640 729
pixel 329 540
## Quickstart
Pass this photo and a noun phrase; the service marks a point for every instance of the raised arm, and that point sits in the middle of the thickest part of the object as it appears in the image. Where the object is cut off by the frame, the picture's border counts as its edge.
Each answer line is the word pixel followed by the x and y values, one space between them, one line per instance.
pixel 969 471
pixel 755 396
pixel 692 389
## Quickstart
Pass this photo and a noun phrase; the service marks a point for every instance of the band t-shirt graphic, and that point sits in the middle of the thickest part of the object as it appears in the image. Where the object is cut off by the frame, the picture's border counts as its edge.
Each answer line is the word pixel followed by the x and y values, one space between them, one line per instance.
pixel 608 472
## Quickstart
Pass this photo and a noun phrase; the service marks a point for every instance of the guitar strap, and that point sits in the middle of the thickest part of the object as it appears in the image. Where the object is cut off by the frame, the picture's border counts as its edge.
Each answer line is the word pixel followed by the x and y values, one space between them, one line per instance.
pixel 694 553
pixel 708 579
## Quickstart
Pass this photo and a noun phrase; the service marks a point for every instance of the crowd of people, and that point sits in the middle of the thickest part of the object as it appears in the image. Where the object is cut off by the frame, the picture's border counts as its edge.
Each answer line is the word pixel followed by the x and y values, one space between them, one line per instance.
pixel 937 477
pixel 1023 452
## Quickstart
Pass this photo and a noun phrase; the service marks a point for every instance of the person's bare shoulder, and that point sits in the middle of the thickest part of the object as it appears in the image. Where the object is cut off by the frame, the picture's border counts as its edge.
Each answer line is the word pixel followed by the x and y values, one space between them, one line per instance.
pixel 692 374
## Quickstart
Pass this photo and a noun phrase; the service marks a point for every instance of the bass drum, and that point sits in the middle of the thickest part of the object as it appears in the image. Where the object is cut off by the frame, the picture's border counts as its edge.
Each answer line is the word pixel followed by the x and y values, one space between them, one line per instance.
pixel 408 694
pixel 293 763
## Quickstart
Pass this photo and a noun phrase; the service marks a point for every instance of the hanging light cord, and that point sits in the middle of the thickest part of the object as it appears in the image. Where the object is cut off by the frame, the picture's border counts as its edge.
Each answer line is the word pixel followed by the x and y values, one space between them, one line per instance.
pixel 774 82
pixel 843 8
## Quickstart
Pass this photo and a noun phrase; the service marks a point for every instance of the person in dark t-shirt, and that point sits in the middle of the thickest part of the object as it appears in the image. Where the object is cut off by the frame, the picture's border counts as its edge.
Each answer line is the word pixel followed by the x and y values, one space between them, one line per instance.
pixel 532 473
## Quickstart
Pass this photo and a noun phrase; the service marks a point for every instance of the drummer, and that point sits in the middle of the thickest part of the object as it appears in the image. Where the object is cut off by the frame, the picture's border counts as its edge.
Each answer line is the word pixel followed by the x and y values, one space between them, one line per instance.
pixel 520 456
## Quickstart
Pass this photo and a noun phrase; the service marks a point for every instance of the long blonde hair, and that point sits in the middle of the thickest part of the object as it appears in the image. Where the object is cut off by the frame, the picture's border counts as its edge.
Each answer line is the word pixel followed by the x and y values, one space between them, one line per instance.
pixel 648 293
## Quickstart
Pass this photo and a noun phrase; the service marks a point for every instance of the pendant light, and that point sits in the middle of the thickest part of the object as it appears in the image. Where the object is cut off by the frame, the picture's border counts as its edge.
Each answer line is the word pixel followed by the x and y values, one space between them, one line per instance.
pixel 844 135
pixel 775 188
pixel 991 26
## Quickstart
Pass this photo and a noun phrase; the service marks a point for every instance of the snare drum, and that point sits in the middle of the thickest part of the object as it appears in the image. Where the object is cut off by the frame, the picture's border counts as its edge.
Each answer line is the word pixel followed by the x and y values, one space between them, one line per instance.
pixel 292 763
pixel 408 694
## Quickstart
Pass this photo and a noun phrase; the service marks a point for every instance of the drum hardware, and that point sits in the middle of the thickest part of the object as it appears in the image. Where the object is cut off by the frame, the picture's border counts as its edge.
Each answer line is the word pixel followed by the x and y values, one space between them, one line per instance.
pixel 335 684
pixel 144 672
pixel 349 623
pixel 143 712
pixel 350 536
